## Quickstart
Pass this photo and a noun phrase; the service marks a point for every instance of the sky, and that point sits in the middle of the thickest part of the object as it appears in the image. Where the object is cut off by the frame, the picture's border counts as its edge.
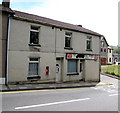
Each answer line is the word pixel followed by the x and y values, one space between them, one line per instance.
pixel 100 16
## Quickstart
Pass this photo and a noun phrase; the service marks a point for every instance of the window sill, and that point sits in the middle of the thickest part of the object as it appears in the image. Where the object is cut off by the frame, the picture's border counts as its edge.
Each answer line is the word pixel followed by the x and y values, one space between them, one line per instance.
pixel 72 73
pixel 35 45
pixel 69 48
pixel 33 77
pixel 88 49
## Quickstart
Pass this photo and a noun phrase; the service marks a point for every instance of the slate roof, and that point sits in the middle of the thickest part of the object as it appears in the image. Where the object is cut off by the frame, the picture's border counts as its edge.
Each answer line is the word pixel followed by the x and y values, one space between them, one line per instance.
pixel 48 21
pixel 52 22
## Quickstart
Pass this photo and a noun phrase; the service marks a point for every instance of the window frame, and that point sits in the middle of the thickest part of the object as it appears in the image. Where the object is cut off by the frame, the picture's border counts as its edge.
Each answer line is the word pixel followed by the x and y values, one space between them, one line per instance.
pixel 34 29
pixel 89 38
pixel 72 73
pixel 68 35
pixel 30 62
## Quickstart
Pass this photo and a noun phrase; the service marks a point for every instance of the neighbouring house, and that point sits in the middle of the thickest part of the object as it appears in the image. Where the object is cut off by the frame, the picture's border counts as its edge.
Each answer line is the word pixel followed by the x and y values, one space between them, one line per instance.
pixel 110 56
pixel 116 58
pixel 104 51
pixel 39 48
pixel 5 12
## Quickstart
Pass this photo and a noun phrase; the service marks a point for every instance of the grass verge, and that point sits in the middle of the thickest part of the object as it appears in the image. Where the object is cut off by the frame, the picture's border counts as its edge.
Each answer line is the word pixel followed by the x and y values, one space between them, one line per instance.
pixel 111 69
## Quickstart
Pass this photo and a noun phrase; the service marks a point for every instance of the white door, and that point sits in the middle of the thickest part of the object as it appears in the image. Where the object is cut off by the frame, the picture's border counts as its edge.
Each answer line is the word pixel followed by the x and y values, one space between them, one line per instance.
pixel 58 71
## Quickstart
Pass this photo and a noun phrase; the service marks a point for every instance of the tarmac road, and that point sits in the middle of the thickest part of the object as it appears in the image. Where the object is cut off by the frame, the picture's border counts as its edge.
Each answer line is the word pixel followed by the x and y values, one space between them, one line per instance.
pixel 78 99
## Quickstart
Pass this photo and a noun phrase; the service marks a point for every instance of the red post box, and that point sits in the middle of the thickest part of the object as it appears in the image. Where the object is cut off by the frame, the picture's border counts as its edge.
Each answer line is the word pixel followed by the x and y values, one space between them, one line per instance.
pixel 47 70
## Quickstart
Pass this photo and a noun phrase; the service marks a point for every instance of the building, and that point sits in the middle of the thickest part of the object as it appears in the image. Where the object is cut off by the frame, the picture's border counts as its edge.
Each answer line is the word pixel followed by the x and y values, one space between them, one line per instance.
pixel 104 51
pixel 110 56
pixel 39 48
pixel 4 15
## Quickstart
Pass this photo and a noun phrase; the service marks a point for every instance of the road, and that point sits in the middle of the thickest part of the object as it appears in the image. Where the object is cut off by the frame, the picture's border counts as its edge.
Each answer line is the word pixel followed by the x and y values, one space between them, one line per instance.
pixel 78 99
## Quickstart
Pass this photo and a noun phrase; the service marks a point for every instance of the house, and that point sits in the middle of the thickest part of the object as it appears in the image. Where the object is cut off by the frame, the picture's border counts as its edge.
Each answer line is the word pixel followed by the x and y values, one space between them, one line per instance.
pixel 104 51
pixel 110 56
pixel 4 15
pixel 43 49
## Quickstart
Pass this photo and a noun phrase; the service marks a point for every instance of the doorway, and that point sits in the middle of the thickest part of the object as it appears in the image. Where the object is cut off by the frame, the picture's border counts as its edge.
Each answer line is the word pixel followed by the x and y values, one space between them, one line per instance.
pixel 59 69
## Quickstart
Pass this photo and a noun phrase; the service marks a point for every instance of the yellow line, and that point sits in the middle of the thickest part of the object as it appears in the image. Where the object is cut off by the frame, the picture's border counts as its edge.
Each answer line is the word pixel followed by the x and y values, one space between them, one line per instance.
pixel 27 91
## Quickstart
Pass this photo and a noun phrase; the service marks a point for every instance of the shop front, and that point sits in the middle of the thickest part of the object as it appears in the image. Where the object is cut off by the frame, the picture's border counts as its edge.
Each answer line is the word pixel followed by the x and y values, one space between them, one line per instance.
pixel 83 65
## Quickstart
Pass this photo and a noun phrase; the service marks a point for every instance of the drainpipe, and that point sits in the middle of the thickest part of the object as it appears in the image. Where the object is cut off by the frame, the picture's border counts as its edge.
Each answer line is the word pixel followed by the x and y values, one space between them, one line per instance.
pixel 55 50
pixel 7 49
pixel 99 57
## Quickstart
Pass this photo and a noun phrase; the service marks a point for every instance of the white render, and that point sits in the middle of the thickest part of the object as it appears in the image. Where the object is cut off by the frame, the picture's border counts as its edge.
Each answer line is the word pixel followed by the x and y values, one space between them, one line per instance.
pixel 52 43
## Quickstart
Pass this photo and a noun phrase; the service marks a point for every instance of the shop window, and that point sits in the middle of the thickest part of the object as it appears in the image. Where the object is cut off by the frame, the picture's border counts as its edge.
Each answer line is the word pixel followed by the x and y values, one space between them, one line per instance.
pixel 33 66
pixel 72 66
pixel 89 43
pixel 68 38
pixel 34 35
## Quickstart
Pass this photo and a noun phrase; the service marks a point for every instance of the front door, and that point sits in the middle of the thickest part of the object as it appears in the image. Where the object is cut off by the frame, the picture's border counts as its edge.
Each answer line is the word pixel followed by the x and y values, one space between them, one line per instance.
pixel 82 69
pixel 58 70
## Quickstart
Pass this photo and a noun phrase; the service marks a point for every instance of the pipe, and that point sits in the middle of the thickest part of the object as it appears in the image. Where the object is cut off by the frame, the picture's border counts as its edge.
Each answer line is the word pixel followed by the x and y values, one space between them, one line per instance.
pixel 7 49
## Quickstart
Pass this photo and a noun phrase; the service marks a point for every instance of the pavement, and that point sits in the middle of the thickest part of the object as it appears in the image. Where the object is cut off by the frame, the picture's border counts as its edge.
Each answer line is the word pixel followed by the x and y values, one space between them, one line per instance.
pixel 42 86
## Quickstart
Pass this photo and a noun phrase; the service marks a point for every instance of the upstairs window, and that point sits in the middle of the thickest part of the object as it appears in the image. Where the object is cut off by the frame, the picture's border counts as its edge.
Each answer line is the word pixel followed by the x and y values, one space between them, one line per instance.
pixel 102 43
pixel 34 35
pixel 68 37
pixel 89 43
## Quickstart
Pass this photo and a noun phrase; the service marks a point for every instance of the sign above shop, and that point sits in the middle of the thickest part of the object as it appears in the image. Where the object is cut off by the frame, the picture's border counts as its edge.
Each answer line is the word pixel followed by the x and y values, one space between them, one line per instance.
pixel 81 56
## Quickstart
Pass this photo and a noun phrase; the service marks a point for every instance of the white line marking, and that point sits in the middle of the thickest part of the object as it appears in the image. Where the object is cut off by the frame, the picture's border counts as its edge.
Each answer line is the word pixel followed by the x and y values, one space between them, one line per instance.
pixel 113 95
pixel 47 104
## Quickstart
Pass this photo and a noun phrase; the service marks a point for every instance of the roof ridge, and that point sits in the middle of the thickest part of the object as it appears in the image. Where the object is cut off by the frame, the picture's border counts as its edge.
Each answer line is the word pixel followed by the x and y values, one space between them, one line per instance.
pixel 44 17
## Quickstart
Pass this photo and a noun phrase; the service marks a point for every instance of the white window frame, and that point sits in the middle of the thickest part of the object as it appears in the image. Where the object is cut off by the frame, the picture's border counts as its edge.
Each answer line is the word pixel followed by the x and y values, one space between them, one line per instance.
pixel 89 38
pixel 38 67
pixel 33 30
pixel 68 36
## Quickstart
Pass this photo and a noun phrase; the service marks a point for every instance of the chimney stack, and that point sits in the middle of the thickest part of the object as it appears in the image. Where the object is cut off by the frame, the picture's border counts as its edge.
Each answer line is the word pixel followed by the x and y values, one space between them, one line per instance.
pixel 6 3
pixel 79 25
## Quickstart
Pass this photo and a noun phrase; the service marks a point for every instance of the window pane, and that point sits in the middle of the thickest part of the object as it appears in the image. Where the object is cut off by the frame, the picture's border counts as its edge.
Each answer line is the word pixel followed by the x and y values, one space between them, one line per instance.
pixel 67 41
pixel 34 27
pixel 34 37
pixel 33 68
pixel 72 66
pixel 68 34
pixel 33 59
pixel 88 43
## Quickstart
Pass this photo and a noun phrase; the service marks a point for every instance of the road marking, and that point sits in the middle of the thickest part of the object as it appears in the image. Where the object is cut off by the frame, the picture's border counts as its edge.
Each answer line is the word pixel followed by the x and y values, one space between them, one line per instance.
pixel 48 104
pixel 114 95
